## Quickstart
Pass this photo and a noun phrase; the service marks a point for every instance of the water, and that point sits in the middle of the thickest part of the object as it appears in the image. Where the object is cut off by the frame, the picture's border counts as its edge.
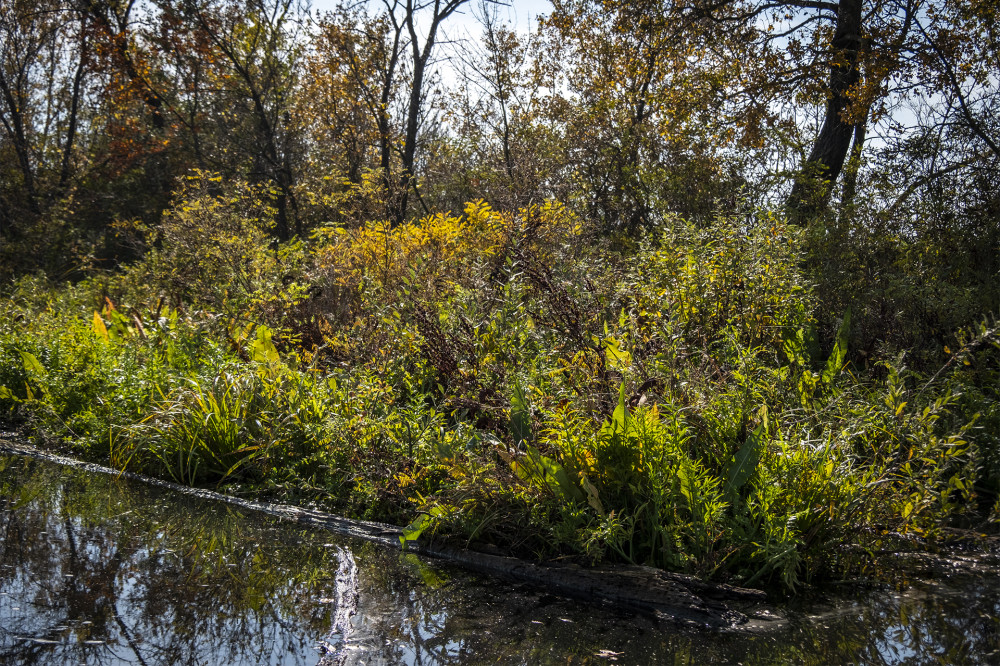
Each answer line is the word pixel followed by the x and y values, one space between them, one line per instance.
pixel 98 570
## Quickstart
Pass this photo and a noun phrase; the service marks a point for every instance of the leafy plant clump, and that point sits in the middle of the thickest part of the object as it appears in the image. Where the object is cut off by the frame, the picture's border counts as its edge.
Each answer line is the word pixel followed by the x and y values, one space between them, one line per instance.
pixel 509 379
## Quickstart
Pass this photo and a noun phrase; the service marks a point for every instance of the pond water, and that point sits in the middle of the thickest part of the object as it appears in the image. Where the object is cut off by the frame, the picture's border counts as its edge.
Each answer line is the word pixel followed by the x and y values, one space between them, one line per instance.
pixel 99 570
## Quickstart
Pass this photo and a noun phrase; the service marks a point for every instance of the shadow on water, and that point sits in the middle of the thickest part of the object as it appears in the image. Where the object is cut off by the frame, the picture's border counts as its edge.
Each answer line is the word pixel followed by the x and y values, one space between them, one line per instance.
pixel 97 570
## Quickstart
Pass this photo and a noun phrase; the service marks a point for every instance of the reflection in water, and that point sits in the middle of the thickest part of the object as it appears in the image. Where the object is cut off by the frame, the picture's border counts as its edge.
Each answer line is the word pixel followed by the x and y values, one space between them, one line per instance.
pixel 95 570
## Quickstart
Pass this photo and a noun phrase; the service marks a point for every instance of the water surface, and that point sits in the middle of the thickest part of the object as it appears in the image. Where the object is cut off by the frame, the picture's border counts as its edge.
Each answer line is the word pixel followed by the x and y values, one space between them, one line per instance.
pixel 99 570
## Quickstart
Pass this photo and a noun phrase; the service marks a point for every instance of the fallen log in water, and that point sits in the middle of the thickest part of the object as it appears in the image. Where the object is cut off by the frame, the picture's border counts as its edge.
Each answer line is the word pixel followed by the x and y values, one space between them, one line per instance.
pixel 678 598
pixel 675 597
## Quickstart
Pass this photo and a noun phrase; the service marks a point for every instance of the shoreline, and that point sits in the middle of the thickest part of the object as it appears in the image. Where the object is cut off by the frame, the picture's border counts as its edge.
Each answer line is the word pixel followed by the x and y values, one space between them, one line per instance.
pixel 679 599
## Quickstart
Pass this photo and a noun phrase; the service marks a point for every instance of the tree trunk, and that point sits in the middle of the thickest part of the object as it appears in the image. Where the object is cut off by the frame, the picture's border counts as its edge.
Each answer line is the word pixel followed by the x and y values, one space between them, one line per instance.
pixel 74 110
pixel 853 166
pixel 420 60
pixel 814 183
pixel 15 102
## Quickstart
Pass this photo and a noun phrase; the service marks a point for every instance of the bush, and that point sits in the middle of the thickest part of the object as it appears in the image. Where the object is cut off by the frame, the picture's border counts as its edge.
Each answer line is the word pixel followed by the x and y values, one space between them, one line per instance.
pixel 505 379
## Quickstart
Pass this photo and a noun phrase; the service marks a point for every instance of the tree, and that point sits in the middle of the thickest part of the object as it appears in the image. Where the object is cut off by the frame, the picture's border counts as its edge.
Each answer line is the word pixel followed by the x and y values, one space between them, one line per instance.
pixel 53 110
pixel 45 56
pixel 856 59
pixel 334 105
pixel 643 132
pixel 500 147
pixel 420 52
pixel 841 120
pixel 400 22
pixel 258 47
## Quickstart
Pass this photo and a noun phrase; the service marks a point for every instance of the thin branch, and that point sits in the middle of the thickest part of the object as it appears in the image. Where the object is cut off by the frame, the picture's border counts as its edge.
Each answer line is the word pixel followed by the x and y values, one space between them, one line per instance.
pixel 953 82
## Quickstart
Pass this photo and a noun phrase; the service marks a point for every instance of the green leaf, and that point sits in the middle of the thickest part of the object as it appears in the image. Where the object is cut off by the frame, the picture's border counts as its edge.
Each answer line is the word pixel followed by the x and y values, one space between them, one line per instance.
pixel 618 358
pixel 520 415
pixel 593 499
pixel 262 349
pixel 744 464
pixel 445 450
pixel 547 474
pixel 423 520
pixel 795 348
pixel 31 365
pixel 121 326
pixel 567 488
pixel 686 486
pixel 620 414
pixel 836 361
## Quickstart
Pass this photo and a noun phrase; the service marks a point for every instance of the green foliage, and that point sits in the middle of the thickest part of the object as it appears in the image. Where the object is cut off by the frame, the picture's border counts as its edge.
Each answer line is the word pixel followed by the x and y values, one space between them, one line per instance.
pixel 912 282
pixel 617 349
pixel 743 466
pixel 727 278
pixel 213 249
pixel 202 433
pixel 509 381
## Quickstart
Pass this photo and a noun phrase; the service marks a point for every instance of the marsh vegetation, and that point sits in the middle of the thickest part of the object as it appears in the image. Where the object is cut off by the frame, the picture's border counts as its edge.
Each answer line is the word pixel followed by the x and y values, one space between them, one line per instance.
pixel 621 291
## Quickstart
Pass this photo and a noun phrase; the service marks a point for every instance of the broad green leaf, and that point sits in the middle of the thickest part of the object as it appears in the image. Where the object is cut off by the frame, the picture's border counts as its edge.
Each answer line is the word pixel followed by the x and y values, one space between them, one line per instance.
pixel 547 474
pixel 31 364
pixel 262 349
pixel 795 348
pixel 520 415
pixel 618 358
pixel 621 412
pixel 836 361
pixel 567 488
pixel 424 520
pixel 445 450
pixel 413 531
pixel 593 499
pixel 744 463
pixel 687 486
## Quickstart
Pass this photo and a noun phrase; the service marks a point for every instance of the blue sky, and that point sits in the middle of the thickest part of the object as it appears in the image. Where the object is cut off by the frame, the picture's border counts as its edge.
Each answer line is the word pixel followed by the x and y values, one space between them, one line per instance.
pixel 522 13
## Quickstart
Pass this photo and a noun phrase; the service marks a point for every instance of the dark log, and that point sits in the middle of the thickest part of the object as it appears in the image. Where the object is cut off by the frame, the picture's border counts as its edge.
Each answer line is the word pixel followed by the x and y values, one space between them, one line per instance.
pixel 676 598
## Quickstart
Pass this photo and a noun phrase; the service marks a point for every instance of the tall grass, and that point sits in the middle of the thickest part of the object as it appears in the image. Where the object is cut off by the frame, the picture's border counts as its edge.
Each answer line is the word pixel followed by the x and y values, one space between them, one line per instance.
pixel 203 432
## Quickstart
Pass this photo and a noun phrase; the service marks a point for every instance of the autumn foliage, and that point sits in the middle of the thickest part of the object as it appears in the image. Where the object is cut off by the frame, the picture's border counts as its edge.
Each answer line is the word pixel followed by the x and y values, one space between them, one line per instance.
pixel 669 284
